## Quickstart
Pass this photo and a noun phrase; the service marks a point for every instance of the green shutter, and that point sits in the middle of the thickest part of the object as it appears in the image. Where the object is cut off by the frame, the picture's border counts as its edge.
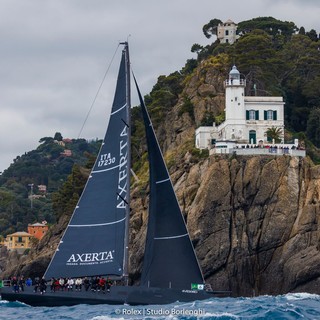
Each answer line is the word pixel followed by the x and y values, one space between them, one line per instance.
pixel 275 115
pixel 247 114
pixel 257 114
pixel 265 115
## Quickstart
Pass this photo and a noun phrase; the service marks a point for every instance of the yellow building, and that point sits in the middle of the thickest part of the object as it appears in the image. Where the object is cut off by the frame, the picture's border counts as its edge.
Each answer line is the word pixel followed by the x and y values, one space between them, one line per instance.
pixel 18 241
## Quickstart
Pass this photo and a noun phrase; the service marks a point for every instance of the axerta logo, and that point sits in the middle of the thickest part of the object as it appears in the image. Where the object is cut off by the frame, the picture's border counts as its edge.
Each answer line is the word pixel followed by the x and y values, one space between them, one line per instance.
pixel 90 258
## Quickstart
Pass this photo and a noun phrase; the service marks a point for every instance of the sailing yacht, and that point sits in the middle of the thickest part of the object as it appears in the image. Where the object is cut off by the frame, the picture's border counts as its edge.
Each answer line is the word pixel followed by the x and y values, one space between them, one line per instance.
pixel 95 242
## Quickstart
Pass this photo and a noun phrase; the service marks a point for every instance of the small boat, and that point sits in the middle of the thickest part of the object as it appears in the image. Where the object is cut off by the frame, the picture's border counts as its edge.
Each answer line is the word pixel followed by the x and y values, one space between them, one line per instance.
pixel 95 242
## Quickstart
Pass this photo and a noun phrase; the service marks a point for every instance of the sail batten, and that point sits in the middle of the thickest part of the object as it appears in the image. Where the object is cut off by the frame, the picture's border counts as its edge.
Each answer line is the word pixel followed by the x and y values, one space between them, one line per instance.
pixel 171 237
pixel 103 170
pixel 116 111
pixel 162 181
pixel 96 225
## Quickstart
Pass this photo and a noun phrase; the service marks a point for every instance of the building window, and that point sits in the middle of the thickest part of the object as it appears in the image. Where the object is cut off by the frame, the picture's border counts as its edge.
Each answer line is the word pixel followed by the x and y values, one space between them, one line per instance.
pixel 252 115
pixel 270 115
pixel 227 32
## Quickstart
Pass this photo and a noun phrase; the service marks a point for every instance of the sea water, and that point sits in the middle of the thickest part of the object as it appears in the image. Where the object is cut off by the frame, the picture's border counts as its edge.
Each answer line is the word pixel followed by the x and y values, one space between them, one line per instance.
pixel 289 306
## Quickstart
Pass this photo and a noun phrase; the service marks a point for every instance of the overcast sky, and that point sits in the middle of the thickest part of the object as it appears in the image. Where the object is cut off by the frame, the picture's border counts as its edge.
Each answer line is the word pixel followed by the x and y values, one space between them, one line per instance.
pixel 54 54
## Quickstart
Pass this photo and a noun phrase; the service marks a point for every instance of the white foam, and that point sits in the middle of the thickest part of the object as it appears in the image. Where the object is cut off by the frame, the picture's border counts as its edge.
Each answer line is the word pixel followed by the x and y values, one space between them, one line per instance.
pixel 302 296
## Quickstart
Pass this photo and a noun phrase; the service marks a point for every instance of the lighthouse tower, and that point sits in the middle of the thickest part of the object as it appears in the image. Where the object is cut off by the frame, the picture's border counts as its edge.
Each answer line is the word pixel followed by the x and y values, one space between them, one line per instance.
pixel 235 107
pixel 235 122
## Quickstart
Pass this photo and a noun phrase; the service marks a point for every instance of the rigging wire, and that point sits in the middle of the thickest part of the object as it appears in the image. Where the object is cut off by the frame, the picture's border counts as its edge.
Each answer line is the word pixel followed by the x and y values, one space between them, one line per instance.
pixel 98 91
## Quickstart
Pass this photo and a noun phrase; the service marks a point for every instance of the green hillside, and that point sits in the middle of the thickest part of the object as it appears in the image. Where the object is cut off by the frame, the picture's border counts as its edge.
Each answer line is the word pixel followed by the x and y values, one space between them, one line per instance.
pixel 47 165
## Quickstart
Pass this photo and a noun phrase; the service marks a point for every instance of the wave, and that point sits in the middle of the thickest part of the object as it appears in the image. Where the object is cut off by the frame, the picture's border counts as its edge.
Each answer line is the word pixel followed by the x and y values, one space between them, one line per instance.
pixel 302 296
pixel 10 304
pixel 288 306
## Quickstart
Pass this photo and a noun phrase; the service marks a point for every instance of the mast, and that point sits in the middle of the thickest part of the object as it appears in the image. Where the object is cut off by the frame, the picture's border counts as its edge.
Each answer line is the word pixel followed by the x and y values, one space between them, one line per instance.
pixel 128 100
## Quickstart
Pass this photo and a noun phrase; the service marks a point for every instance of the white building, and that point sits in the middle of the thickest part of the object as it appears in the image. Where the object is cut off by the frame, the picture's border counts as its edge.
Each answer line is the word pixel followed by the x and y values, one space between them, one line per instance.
pixel 246 124
pixel 227 32
pixel 247 120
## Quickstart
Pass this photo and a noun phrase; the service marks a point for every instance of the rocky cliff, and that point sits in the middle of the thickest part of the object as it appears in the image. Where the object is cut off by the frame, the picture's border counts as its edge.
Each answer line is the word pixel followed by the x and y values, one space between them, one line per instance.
pixel 254 221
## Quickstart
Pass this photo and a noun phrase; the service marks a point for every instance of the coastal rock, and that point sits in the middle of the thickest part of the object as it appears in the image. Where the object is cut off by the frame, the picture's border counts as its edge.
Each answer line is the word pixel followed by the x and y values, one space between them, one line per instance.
pixel 256 221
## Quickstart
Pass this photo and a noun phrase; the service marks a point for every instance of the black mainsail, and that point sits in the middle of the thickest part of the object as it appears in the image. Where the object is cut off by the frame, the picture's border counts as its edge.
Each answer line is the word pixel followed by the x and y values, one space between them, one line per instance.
pixel 95 241
pixel 170 260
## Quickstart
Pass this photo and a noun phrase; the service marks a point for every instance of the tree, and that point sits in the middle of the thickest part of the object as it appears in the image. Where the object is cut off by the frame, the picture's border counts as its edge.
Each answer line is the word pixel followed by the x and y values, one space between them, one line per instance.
pixel 312 34
pixel 313 127
pixel 196 48
pixel 58 136
pixel 299 77
pixel 210 28
pixel 270 25
pixel 46 140
pixel 274 134
pixel 64 200
pixel 252 53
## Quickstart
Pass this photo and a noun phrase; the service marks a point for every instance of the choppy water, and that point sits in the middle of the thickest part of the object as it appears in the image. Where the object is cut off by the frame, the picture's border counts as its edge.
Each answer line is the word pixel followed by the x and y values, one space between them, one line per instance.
pixel 290 306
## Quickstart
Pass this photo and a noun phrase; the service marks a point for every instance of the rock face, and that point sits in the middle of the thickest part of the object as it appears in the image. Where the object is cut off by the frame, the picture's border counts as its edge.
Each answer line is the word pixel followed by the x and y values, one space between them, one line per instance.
pixel 254 222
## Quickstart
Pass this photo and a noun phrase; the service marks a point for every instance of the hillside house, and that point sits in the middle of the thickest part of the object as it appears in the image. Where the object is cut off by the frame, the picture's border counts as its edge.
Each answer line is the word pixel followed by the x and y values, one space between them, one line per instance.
pixel 227 32
pixel 19 241
pixel 38 230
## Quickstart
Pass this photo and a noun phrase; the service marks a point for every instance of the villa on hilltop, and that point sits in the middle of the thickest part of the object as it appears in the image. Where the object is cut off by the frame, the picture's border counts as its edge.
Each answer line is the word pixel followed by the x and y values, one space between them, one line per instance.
pixel 227 32
pixel 247 123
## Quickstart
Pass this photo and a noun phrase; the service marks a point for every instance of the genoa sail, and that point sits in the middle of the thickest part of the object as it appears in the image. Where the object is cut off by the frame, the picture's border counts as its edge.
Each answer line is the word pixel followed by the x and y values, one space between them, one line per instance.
pixel 94 242
pixel 169 260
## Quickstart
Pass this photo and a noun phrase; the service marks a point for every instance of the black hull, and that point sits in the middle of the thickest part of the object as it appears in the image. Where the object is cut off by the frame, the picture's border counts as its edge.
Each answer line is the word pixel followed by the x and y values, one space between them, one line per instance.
pixel 118 295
